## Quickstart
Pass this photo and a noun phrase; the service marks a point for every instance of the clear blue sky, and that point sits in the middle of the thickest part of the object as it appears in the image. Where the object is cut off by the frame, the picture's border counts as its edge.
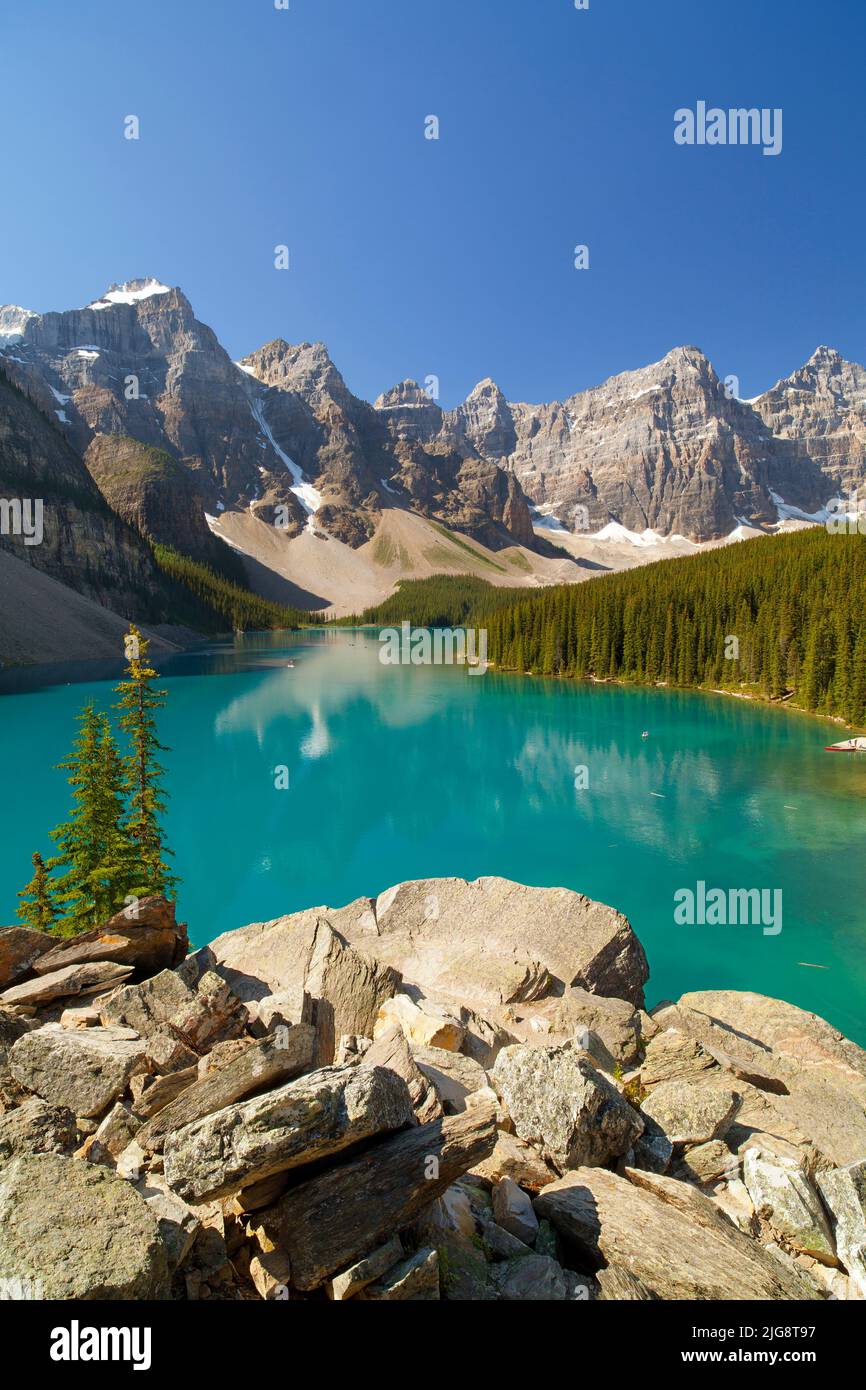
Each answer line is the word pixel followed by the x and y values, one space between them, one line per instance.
pixel 410 256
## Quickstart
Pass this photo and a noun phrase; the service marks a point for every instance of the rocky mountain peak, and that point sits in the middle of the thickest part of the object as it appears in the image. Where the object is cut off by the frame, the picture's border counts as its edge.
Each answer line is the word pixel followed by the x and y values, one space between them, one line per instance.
pixel 13 322
pixel 405 393
pixel 131 292
pixel 305 368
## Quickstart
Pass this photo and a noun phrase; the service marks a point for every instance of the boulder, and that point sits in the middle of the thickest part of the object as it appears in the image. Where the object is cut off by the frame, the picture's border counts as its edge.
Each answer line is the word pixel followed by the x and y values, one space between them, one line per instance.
pixel 783 1196
pixel 692 1111
pixel 363 1272
pixel 117 1131
pixel 492 942
pixel 83 1069
pixel 20 948
pixel 452 1076
pixel 513 1158
pixel 11 1029
pixel 78 1232
pixel 305 1120
pixel 177 1223
pixel 150 1093
pixel 333 1219
pixel 70 979
pixel 666 1234
pixel 85 1016
pixel 563 1107
pixel 392 1050
pixel 36 1128
pixel 514 1212
pixel 823 1072
pixel 143 935
pixel 301 954
pixel 531 1279
pixel 423 1023
pixel 147 1007
pixel 610 1029
pixel 708 1164
pixel 844 1193
pixel 255 1067
pixel 415 1279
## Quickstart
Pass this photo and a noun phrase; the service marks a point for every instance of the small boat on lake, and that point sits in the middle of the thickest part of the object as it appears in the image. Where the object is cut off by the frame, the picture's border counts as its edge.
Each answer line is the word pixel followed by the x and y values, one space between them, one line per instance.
pixel 849 745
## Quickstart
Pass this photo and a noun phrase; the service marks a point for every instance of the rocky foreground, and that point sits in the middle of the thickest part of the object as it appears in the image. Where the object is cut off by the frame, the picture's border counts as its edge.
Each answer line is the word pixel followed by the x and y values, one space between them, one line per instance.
pixel 450 1092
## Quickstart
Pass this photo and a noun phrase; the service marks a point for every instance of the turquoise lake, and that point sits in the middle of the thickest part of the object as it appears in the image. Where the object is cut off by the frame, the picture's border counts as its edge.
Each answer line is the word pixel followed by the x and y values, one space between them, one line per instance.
pixel 411 772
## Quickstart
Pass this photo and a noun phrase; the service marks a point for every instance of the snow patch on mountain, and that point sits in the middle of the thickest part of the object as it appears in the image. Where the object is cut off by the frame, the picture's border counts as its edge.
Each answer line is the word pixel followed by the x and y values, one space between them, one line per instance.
pixel 130 293
pixel 309 497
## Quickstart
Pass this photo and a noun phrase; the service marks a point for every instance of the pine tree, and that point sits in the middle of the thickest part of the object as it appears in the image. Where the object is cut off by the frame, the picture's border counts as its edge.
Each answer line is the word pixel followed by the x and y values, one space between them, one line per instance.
pixel 139 699
pixel 93 847
pixel 38 909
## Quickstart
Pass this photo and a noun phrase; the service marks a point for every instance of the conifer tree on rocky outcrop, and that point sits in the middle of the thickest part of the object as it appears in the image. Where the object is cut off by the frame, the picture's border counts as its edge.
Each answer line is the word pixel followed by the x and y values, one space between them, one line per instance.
pixel 139 699
pixel 38 909
pixel 94 848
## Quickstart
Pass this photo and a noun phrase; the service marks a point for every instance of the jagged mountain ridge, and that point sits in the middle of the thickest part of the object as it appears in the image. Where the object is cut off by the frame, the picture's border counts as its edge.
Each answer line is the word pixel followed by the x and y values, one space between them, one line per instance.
pixel 666 448
pixel 663 448
pixel 278 431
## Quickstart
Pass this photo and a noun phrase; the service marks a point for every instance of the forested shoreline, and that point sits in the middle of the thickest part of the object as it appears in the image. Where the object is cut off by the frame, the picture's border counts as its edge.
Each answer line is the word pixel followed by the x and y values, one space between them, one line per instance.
pixel 781 618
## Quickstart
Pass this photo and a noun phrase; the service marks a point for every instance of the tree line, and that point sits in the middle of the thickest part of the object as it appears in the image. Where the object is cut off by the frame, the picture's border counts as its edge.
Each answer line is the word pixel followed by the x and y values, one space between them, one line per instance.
pixel 783 617
pixel 229 600
pixel 110 851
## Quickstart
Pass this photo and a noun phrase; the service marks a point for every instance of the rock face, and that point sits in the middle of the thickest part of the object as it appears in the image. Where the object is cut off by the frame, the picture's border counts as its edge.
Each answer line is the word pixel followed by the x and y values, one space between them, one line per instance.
pixel 157 496
pixel 78 1232
pixel 84 544
pixel 665 447
pixel 172 427
pixel 562 1106
pixel 821 408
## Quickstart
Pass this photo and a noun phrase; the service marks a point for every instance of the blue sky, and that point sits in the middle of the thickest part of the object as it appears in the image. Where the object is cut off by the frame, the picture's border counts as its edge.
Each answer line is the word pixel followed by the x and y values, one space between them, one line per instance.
pixel 454 257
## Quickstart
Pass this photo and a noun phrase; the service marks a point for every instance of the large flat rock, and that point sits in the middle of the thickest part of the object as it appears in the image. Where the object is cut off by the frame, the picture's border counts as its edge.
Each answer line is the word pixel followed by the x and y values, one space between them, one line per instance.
pixel 666 1234
pixel 492 942
pixel 818 1103
pixel 83 1069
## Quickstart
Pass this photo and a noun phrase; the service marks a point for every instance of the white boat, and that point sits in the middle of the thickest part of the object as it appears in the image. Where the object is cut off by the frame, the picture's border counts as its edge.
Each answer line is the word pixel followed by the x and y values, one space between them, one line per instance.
pixel 850 745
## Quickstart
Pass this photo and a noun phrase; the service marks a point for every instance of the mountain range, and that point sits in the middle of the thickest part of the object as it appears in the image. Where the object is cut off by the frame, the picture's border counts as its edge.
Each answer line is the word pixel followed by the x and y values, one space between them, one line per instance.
pixel 134 413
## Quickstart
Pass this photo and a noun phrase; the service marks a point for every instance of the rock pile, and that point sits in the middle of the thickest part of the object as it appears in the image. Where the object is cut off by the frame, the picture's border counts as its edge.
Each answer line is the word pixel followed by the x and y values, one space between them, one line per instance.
pixel 453 1091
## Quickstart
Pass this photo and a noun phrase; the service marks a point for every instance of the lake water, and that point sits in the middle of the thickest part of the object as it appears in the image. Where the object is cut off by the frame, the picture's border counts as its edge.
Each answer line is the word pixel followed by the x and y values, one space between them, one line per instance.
pixel 411 772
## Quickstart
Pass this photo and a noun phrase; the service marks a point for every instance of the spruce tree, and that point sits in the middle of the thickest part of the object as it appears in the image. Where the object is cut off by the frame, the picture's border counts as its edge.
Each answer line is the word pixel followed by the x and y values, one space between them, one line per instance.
pixel 139 699
pixel 38 909
pixel 93 848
